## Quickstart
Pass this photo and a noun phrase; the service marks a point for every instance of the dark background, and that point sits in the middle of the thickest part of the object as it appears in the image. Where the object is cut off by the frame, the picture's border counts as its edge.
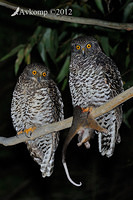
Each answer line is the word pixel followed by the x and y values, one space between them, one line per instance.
pixel 26 39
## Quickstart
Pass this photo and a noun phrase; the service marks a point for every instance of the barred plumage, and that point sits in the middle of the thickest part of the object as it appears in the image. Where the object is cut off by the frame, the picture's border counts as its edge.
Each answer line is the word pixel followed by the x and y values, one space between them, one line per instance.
pixel 94 79
pixel 37 101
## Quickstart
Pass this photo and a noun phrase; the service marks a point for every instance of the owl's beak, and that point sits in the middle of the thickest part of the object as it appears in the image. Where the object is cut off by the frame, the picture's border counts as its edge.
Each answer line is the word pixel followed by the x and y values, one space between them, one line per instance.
pixel 39 78
pixel 83 51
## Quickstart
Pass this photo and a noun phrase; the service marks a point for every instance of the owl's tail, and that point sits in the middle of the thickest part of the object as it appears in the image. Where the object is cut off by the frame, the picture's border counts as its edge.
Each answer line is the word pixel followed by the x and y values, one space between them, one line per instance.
pixel 111 122
pixel 42 150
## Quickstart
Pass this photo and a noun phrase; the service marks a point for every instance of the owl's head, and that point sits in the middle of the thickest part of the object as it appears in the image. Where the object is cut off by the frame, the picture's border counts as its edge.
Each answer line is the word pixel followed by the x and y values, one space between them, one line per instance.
pixel 36 72
pixel 84 47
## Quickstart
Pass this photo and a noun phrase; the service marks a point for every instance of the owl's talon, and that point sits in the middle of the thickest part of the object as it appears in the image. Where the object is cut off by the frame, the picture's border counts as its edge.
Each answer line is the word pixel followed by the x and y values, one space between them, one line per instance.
pixel 20 132
pixel 28 132
pixel 28 135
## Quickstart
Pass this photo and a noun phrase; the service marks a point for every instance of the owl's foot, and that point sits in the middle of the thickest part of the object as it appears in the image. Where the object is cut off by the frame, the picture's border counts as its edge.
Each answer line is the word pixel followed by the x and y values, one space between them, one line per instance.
pixel 88 109
pixel 27 131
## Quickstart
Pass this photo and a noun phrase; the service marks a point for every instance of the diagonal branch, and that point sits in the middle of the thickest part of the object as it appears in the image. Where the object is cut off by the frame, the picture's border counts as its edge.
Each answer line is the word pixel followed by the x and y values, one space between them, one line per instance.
pixel 57 126
pixel 78 20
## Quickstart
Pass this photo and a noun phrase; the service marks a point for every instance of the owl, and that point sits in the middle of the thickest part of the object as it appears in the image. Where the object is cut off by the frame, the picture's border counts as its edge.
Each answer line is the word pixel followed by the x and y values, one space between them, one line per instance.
pixel 94 79
pixel 37 101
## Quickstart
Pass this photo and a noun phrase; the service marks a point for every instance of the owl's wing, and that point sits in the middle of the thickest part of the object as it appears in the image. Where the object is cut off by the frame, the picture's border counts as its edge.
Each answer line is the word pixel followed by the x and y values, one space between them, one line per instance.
pixel 111 120
pixel 111 73
pixel 56 98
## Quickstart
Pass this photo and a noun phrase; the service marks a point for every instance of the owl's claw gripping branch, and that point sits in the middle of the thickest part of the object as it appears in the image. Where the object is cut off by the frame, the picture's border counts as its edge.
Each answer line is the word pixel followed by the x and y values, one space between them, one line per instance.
pixel 83 124
pixel 27 131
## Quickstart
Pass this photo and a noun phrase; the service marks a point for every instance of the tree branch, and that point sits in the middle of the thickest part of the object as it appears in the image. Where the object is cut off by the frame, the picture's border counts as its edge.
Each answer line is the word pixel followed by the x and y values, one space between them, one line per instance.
pixel 57 126
pixel 78 20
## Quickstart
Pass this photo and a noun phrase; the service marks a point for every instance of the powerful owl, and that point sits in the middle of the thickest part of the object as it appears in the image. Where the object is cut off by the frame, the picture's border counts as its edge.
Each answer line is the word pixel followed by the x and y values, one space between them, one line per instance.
pixel 94 79
pixel 37 101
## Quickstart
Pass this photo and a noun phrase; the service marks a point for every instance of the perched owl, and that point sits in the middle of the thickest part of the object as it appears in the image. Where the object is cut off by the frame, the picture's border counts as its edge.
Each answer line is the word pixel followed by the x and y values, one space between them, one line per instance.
pixel 37 101
pixel 94 79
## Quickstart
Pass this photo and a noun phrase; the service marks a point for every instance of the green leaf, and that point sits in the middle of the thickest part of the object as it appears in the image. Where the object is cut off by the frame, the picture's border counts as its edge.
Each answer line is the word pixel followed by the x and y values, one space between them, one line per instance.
pixel 64 84
pixel 20 57
pixel 61 56
pixel 36 36
pixel 12 52
pixel 128 11
pixel 128 84
pixel 127 61
pixel 77 9
pixel 105 44
pixel 126 116
pixel 113 49
pixel 27 52
pixel 99 5
pixel 62 35
pixel 41 50
pixel 33 41
pixel 64 70
pixel 50 42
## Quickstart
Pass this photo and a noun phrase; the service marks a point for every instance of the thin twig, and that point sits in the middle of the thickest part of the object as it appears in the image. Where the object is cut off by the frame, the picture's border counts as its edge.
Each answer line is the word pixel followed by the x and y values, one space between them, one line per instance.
pixel 78 20
pixel 57 126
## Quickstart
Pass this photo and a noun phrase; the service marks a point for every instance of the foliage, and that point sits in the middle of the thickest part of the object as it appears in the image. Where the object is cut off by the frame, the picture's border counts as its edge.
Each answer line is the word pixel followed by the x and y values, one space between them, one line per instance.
pixel 54 43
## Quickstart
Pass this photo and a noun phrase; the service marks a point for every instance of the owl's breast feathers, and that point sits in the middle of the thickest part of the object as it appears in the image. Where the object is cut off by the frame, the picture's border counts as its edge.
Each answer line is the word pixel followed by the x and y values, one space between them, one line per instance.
pixel 88 85
pixel 94 82
pixel 36 104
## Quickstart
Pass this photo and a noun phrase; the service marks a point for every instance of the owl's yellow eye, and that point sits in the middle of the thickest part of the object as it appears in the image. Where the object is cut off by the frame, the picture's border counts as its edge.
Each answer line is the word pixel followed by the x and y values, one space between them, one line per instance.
pixel 78 47
pixel 88 46
pixel 34 72
pixel 44 74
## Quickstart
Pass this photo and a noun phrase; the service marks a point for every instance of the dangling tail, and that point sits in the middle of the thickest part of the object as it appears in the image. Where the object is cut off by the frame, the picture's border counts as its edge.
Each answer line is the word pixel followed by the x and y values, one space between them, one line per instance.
pixel 64 162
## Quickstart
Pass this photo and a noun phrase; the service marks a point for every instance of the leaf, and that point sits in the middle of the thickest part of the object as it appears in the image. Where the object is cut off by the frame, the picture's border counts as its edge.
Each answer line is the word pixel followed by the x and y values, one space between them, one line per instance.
pixel 27 53
pixel 99 5
pixel 105 44
pixel 76 9
pixel 127 61
pixel 50 43
pixel 126 116
pixel 64 84
pixel 61 56
pixel 33 41
pixel 113 49
pixel 36 36
pixel 62 35
pixel 64 70
pixel 41 50
pixel 19 59
pixel 128 84
pixel 28 59
pixel 128 11
pixel 12 52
